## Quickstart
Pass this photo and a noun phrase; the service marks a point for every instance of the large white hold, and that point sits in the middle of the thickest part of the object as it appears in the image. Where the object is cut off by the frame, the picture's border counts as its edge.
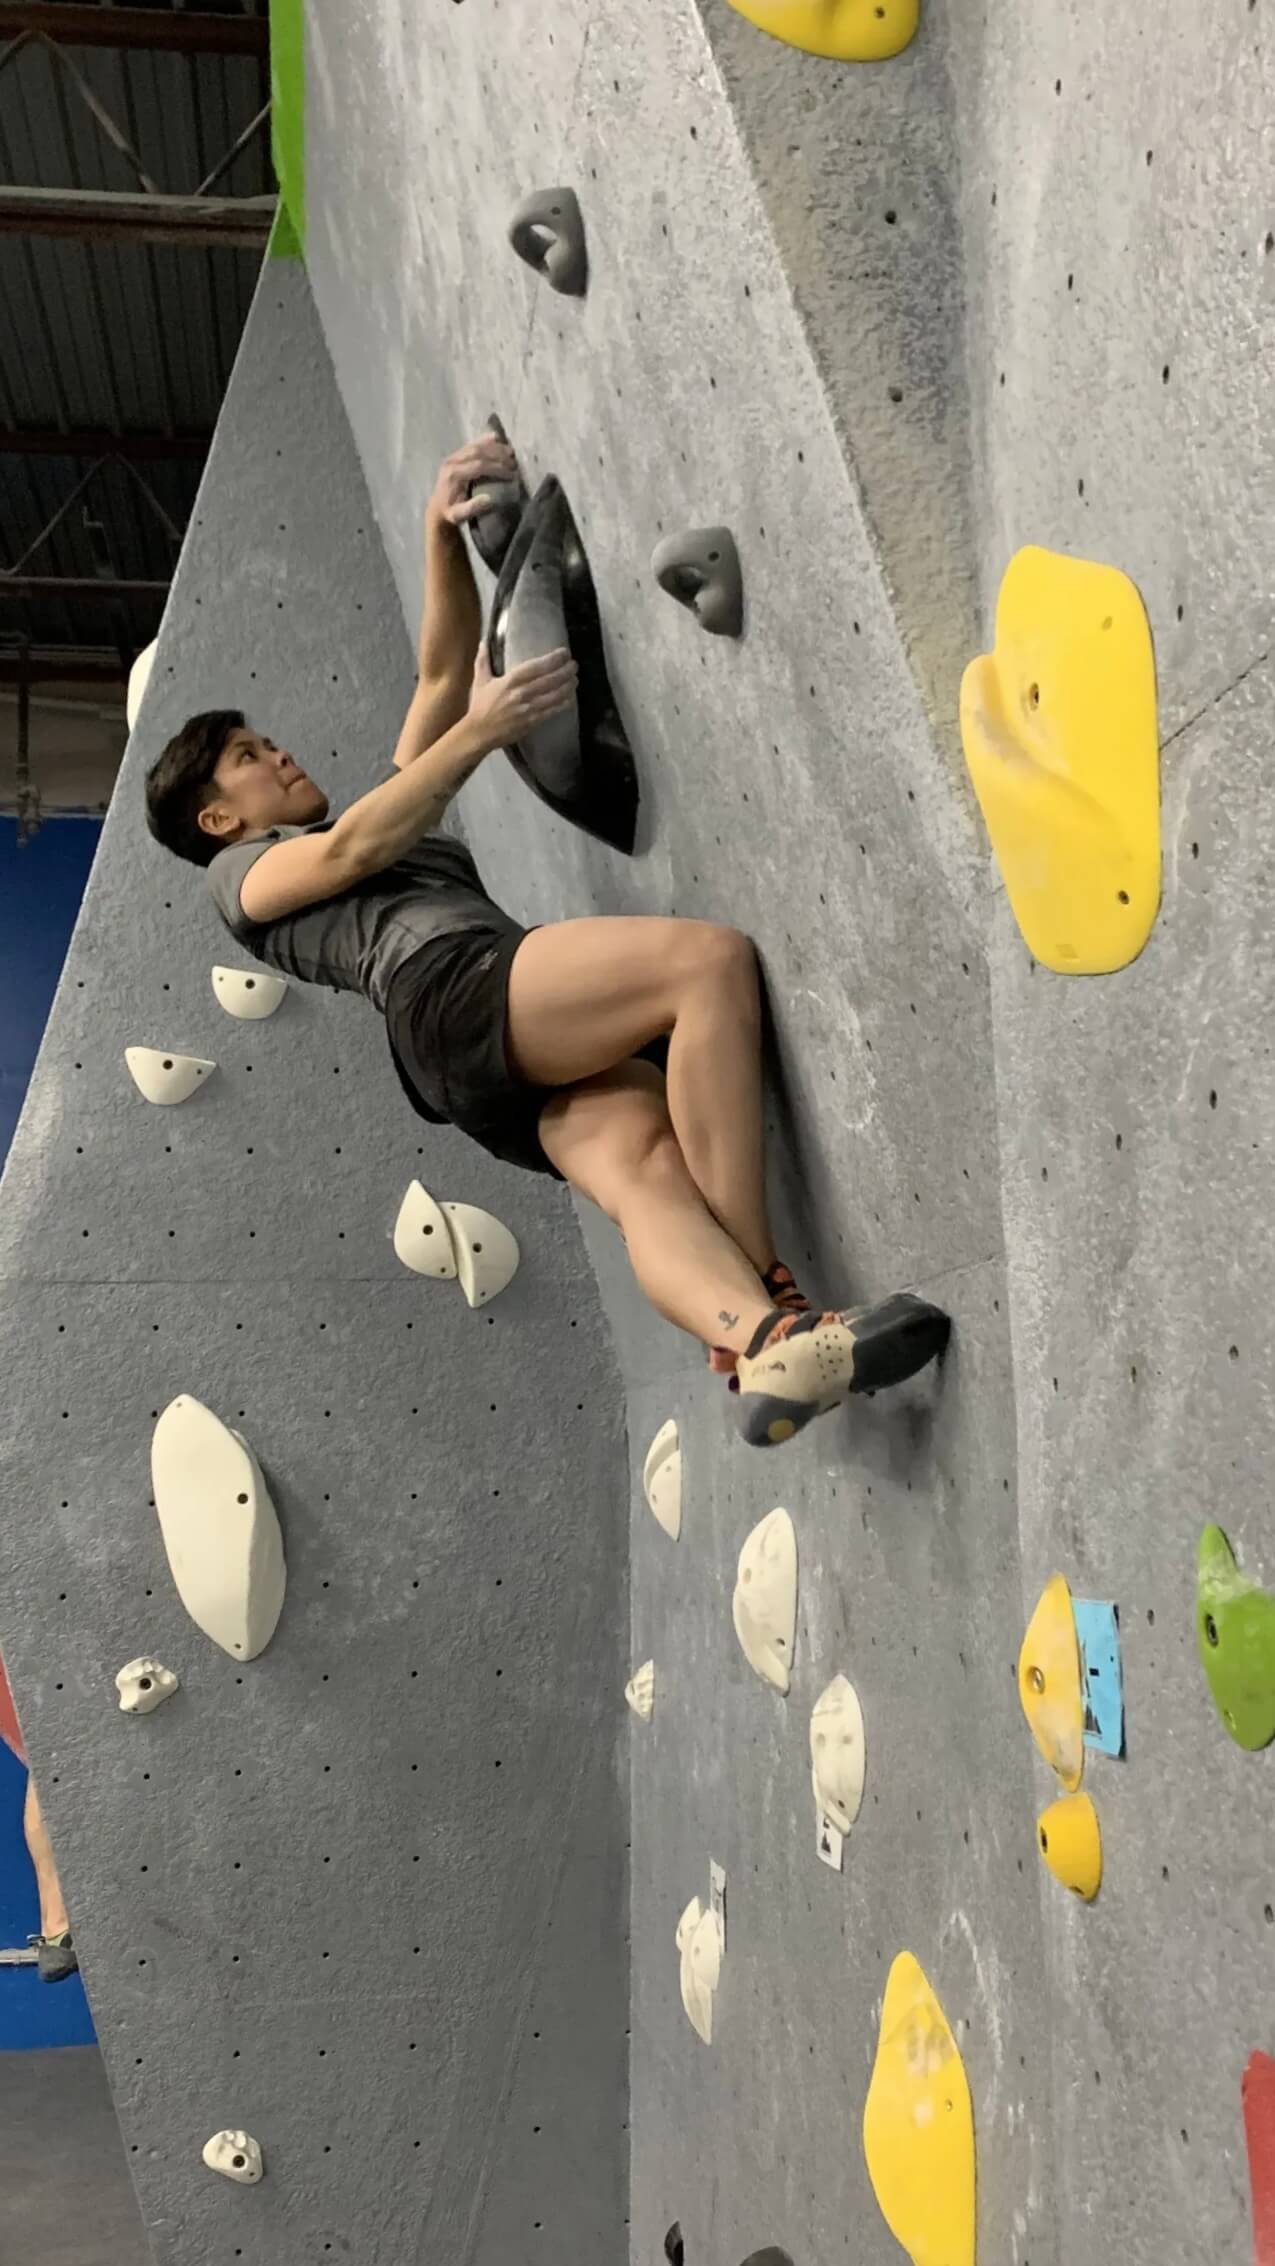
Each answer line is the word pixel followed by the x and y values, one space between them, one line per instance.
pixel 422 1238
pixel 166 1078
pixel 139 676
pixel 236 2155
pixel 640 1691
pixel 662 1479
pixel 699 1946
pixel 838 1756
pixel 248 993
pixel 220 1528
pixel 765 1600
pixel 486 1253
pixel 143 1685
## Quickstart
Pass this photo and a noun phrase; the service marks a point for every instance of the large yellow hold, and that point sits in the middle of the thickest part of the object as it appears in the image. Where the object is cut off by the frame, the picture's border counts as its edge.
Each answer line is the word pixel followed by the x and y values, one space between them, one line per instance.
pixel 1049 1683
pixel 1060 735
pixel 850 31
pixel 918 2125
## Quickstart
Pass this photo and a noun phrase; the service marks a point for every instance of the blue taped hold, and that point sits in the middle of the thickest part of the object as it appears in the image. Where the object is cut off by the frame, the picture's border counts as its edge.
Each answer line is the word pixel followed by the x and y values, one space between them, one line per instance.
pixel 1101 1681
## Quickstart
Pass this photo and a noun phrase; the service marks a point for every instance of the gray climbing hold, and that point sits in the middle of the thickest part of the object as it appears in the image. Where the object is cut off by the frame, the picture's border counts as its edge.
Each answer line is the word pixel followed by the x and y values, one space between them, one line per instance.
pixel 547 231
pixel 700 568
pixel 493 531
pixel 579 761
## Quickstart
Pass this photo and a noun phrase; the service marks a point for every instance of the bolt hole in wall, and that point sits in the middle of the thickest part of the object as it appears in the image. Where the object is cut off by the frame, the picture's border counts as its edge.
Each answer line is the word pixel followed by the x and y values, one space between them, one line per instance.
pixel 41 885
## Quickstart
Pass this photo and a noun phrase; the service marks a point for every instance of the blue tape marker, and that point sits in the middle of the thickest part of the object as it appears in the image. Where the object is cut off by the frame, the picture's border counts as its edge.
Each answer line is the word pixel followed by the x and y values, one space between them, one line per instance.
pixel 1101 1681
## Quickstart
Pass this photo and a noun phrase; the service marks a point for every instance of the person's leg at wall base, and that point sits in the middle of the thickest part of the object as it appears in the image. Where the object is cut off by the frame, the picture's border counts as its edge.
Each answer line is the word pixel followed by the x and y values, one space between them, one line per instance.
pixel 55 1952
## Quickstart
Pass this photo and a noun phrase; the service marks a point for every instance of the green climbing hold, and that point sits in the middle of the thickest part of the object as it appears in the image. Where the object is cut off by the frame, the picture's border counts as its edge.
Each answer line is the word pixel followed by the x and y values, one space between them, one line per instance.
pixel 1235 1629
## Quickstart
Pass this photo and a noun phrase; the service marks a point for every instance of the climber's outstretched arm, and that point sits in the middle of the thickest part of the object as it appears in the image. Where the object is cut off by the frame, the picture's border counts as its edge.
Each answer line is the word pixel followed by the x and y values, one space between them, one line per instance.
pixel 452 621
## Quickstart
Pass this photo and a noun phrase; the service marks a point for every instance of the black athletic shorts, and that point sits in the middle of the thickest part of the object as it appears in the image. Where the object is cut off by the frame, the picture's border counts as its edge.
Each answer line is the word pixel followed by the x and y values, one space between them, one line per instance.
pixel 446 1017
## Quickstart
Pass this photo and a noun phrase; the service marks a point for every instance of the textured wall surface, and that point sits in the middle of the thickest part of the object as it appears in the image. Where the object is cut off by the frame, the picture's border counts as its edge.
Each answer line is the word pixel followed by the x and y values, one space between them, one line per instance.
pixel 365 1896
pixel 888 325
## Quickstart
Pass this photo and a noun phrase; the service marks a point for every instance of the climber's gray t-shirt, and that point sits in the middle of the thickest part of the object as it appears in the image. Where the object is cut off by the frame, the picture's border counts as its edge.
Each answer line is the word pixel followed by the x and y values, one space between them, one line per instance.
pixel 360 940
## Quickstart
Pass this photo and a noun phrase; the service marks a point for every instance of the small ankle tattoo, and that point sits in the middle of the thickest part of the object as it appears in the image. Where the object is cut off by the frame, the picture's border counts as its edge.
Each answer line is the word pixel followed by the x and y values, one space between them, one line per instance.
pixel 729 1321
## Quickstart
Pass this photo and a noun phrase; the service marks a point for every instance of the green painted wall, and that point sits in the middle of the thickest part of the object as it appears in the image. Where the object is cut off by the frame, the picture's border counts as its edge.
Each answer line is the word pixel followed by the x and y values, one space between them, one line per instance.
pixel 287 87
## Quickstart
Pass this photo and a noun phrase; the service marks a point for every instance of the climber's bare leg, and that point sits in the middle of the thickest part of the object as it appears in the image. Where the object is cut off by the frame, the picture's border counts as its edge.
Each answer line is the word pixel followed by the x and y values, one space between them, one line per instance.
pixel 613 1139
pixel 585 995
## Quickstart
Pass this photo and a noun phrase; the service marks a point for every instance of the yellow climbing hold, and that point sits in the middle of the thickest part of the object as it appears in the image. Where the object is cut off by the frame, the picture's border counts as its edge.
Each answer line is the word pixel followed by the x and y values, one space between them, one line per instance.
pixel 1068 1838
pixel 918 2125
pixel 1059 728
pixel 1049 1683
pixel 850 31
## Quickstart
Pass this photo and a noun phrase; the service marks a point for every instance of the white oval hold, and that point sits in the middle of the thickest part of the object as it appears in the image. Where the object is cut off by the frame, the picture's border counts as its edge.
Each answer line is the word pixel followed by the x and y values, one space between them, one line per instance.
pixel 250 994
pixel 838 1756
pixel 166 1078
pixel 699 1947
pixel 220 1528
pixel 143 1685
pixel 486 1253
pixel 640 1692
pixel 765 1601
pixel 236 2155
pixel 139 676
pixel 422 1238
pixel 662 1479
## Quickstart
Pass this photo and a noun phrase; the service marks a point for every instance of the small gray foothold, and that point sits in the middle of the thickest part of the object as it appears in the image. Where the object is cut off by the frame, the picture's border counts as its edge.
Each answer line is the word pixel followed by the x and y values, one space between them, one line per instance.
pixel 547 231
pixel 700 568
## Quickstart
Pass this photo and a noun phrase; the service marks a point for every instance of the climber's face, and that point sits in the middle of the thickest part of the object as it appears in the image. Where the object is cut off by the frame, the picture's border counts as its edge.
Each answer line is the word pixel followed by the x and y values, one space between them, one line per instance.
pixel 257 785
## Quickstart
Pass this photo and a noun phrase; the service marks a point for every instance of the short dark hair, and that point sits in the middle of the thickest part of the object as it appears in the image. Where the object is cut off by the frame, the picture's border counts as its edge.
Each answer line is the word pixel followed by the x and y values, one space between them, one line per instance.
pixel 177 784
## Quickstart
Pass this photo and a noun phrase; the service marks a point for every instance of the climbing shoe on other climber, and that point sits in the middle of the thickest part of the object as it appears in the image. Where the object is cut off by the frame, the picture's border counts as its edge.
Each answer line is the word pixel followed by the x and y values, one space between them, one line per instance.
pixel 800 1365
pixel 780 1284
pixel 54 1957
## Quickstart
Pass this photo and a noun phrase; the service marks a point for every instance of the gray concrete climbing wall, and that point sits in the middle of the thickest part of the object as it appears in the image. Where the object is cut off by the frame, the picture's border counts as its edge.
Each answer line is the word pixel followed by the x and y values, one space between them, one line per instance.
pixel 366 1896
pixel 888 325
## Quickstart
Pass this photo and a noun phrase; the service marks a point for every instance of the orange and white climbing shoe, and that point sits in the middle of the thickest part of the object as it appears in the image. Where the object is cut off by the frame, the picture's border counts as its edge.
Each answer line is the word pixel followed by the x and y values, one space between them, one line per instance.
pixel 780 1283
pixel 800 1365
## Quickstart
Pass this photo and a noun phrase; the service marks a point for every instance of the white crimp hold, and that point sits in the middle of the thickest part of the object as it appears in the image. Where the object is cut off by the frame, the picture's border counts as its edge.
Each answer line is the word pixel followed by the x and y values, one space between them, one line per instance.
pixel 422 1237
pixel 486 1253
pixel 166 1078
pixel 662 1479
pixel 248 993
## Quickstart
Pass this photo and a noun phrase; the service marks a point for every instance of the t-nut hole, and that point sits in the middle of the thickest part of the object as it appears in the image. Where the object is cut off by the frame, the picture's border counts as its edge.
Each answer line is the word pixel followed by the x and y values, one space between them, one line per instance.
pixel 1123 896
pixel 168 1062
pixel 241 1498
pixel 1043 1839
pixel 477 1249
pixel 143 1683
pixel 1036 1678
pixel 1210 1628
pixel 250 983
pixel 1033 696
pixel 239 2162
pixel 713 557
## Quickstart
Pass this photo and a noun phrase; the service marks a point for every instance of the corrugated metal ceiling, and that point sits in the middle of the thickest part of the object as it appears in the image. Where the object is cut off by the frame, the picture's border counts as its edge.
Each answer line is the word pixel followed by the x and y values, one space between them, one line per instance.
pixel 129 338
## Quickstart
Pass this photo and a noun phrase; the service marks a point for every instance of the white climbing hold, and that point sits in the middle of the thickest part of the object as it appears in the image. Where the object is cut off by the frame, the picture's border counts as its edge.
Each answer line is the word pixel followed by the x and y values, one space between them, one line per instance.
pixel 765 1600
pixel 699 1946
pixel 236 2155
pixel 143 1685
pixel 640 1692
pixel 837 1753
pixel 220 1529
pixel 662 1478
pixel 486 1253
pixel 139 676
pixel 248 993
pixel 422 1238
pixel 165 1077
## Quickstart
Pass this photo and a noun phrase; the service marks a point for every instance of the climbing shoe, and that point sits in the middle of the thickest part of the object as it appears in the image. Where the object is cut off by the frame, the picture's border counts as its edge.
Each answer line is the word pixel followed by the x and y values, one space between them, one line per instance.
pixel 54 1957
pixel 800 1365
pixel 781 1285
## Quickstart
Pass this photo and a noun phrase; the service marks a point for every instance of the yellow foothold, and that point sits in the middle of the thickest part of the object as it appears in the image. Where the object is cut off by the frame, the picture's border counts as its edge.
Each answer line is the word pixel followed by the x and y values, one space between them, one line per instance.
pixel 1059 728
pixel 1049 1683
pixel 918 2125
pixel 1068 1838
pixel 850 31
